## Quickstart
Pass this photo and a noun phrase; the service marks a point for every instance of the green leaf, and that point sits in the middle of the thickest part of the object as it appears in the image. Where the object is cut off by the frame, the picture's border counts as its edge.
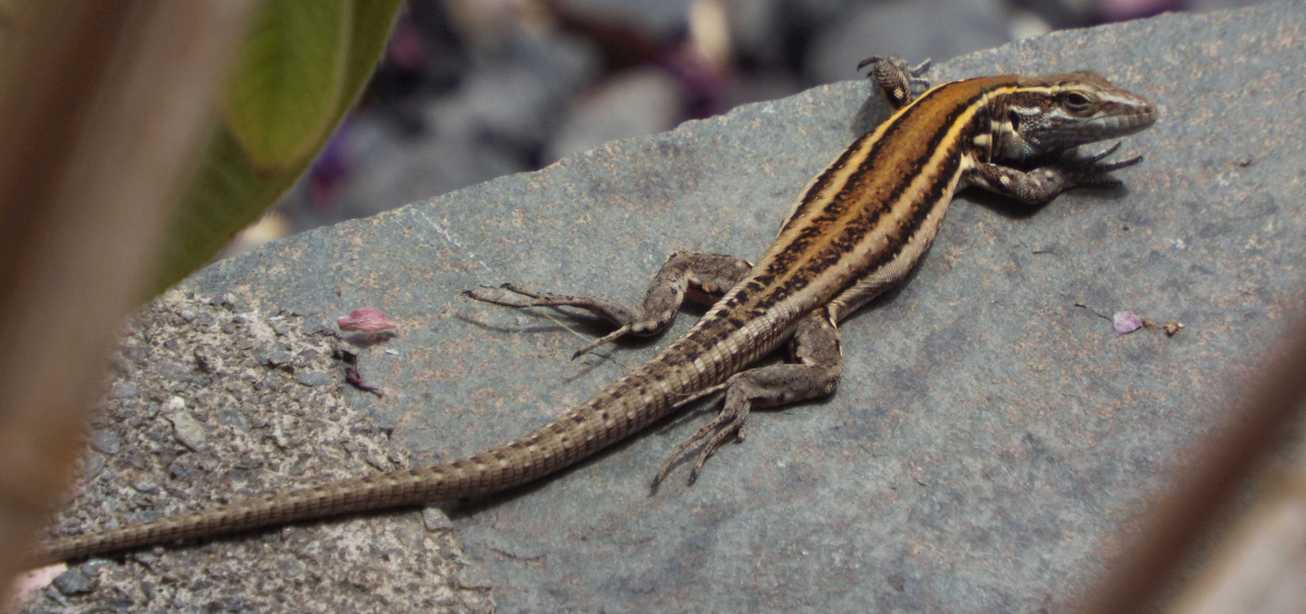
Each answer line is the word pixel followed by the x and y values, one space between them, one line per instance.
pixel 373 21
pixel 303 65
pixel 288 80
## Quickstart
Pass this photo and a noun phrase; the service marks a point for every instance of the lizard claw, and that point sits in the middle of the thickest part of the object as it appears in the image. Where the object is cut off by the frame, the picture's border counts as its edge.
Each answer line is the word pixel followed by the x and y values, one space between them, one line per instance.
pixel 478 295
pixel 612 336
pixel 1091 170
pixel 1104 153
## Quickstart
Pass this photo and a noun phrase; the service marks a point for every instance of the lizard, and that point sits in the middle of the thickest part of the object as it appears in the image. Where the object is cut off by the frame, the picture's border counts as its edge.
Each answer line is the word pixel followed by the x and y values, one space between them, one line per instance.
pixel 856 229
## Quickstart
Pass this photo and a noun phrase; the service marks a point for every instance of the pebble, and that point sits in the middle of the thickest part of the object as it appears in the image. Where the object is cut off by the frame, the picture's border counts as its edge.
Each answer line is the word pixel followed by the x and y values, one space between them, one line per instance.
pixel 189 431
pixel 436 520
pixel 276 358
pixel 315 378
pixel 107 442
pixel 74 582
pixel 124 390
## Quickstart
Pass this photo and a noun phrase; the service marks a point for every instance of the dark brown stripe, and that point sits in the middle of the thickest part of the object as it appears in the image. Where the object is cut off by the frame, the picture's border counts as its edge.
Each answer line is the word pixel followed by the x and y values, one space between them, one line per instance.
pixel 823 180
pixel 853 233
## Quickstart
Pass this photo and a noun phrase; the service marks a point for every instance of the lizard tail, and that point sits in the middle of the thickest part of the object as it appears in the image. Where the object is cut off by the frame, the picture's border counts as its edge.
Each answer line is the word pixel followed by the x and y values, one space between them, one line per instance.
pixel 616 412
pixel 526 459
pixel 557 444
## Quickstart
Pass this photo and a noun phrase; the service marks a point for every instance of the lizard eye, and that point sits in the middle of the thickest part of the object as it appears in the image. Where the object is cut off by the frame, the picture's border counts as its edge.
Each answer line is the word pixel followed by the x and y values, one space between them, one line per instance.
pixel 1076 102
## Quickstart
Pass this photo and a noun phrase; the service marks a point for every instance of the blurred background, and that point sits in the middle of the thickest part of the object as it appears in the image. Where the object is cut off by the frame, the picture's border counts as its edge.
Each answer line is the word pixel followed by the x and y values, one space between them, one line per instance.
pixel 470 90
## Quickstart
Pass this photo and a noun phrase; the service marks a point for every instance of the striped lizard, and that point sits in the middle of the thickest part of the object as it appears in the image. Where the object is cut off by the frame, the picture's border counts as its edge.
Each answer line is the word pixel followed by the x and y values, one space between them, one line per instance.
pixel 857 228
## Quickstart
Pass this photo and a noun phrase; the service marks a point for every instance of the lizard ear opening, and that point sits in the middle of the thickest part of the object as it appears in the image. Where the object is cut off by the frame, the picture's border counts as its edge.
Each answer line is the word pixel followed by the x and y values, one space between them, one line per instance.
pixel 1014 119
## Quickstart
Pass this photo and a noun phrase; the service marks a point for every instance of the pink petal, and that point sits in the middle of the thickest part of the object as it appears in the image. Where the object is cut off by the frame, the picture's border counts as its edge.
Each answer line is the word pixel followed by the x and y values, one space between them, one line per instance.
pixel 1126 322
pixel 366 320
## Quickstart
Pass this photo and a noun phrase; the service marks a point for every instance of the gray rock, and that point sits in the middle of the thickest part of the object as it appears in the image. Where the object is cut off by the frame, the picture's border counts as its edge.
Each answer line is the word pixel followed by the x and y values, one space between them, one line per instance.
pixel 757 29
pixel 637 102
pixel 937 29
pixel 661 19
pixel 988 438
pixel 260 441
pixel 393 170
pixel 517 98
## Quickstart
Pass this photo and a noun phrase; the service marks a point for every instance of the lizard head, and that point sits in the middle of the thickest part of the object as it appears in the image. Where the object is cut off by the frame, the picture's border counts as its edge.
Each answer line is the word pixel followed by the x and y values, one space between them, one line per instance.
pixel 1054 113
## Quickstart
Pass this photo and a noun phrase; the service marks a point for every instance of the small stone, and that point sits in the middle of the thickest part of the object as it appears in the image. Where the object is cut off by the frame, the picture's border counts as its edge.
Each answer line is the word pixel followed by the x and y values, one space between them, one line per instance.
pixel 146 487
pixel 276 358
pixel 92 465
pixel 124 390
pixel 107 442
pixel 145 556
pixel 205 362
pixel 319 326
pixel 315 378
pixel 174 405
pixel 189 431
pixel 137 459
pixel 230 416
pixel 75 581
pixel 280 327
pixel 436 520
pixel 182 469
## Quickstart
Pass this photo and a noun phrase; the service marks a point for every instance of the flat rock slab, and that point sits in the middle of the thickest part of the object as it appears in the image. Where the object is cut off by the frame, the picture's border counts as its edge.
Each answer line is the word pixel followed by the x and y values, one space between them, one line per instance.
pixel 989 436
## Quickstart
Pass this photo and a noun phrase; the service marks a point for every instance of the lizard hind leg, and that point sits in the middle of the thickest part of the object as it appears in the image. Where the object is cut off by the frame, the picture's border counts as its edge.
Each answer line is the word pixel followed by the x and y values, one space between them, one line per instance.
pixel 698 277
pixel 818 362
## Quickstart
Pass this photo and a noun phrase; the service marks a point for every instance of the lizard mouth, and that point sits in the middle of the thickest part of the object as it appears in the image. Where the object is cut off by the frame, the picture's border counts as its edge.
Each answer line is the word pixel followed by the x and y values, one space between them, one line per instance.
pixel 1125 124
pixel 1141 115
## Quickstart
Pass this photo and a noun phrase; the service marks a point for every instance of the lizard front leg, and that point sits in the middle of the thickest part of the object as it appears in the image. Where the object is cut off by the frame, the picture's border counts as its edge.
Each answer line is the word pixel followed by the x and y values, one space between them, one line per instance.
pixel 1040 185
pixel 699 277
pixel 818 363
pixel 899 81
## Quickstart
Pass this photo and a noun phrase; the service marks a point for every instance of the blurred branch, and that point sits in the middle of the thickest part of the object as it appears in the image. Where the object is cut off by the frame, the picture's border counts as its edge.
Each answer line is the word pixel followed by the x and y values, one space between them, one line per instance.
pixel 1256 425
pixel 1262 568
pixel 103 106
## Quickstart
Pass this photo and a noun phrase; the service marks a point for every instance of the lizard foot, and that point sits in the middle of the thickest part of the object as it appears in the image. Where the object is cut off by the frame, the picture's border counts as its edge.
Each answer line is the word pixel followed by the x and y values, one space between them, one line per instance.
pixel 711 436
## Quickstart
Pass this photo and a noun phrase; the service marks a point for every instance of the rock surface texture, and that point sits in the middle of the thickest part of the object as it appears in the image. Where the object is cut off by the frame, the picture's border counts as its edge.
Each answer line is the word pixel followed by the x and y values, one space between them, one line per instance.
pixel 988 438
